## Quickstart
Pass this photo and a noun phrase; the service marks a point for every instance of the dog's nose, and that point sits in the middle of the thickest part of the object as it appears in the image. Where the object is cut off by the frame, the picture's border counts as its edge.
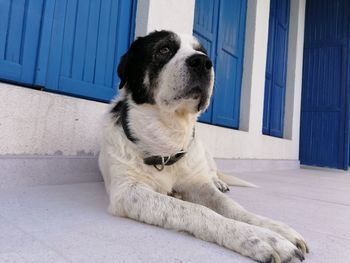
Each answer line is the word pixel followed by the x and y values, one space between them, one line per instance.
pixel 199 63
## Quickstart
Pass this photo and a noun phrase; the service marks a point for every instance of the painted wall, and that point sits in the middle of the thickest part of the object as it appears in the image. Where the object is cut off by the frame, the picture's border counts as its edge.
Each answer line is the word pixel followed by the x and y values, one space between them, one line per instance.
pixel 42 123
pixel 33 122
pixel 175 15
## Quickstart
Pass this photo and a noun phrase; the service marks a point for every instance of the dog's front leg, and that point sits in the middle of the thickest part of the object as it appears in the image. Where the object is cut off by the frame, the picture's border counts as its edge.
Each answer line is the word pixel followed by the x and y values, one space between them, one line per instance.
pixel 143 204
pixel 207 194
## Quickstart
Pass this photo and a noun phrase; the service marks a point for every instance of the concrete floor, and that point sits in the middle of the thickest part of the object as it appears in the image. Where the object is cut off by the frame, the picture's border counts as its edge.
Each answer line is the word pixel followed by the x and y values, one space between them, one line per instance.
pixel 69 223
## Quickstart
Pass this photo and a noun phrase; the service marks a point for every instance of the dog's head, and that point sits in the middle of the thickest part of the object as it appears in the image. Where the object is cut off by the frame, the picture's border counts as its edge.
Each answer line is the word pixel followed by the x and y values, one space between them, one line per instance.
pixel 169 70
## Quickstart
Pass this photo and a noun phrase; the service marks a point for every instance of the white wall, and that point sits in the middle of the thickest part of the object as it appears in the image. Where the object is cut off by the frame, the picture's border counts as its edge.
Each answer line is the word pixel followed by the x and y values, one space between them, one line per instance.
pixel 42 123
pixel 175 15
pixel 295 69
pixel 33 122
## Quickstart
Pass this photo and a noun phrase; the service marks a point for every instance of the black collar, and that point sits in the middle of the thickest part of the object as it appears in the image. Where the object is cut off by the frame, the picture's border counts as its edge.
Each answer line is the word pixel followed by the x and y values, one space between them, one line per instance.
pixel 158 161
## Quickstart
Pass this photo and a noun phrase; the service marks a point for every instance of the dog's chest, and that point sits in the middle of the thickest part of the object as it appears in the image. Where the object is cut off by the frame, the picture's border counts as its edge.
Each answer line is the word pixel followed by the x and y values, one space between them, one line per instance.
pixel 165 180
pixel 193 165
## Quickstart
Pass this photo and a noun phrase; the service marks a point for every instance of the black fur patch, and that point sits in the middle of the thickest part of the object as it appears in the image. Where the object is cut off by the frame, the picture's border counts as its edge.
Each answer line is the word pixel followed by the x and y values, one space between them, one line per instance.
pixel 116 110
pixel 120 113
pixel 146 55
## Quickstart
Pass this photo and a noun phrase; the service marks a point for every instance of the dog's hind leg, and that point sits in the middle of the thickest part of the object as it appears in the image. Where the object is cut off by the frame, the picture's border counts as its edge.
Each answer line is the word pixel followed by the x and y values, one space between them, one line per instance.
pixel 207 194
pixel 223 181
pixel 220 179
pixel 233 180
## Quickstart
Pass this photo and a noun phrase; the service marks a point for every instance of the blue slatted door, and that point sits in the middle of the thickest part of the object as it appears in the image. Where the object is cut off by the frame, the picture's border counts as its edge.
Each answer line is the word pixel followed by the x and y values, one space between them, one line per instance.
pixel 19 34
pixel 86 40
pixel 205 29
pixel 269 69
pixel 229 62
pixel 276 68
pixel 324 125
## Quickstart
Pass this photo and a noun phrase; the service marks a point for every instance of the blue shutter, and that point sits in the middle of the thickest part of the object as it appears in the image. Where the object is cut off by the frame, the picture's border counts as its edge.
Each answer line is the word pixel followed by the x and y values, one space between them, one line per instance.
pixel 220 26
pixel 276 68
pixel 229 64
pixel 324 132
pixel 19 34
pixel 205 29
pixel 269 69
pixel 79 55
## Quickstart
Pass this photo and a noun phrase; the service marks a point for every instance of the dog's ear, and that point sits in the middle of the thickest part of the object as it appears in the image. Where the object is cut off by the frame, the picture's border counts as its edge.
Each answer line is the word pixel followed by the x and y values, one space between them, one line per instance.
pixel 123 70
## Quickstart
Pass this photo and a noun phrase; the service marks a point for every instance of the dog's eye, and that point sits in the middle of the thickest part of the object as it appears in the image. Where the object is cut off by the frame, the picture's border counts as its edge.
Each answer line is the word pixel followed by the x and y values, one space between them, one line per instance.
pixel 164 50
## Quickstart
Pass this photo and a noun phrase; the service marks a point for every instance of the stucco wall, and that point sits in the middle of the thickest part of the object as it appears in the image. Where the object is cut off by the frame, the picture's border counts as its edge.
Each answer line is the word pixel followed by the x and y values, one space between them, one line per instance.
pixel 175 15
pixel 34 122
pixel 42 123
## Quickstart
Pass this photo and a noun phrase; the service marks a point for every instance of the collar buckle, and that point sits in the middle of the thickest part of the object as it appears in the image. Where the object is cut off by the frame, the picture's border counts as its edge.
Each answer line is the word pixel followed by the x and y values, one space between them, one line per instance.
pixel 160 167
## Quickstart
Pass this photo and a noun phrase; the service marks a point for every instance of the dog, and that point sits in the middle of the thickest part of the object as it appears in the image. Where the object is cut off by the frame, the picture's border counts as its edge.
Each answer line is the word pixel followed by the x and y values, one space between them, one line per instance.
pixel 155 168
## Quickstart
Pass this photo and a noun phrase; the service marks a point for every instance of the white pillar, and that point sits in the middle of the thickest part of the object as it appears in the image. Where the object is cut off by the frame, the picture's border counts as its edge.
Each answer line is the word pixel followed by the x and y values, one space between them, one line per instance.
pixel 174 15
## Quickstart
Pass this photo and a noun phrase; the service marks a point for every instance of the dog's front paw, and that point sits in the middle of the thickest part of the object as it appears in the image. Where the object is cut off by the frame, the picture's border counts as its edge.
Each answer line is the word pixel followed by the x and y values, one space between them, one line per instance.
pixel 264 245
pixel 290 234
pixel 285 251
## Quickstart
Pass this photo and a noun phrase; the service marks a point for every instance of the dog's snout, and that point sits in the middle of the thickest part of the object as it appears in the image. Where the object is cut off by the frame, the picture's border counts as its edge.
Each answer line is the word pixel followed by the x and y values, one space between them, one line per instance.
pixel 199 63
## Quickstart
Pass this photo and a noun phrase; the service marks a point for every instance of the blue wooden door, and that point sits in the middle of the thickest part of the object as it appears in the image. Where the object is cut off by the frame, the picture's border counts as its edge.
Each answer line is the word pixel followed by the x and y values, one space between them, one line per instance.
pixel 19 35
pixel 276 68
pixel 205 29
pixel 229 64
pixel 81 44
pixel 324 133
pixel 220 26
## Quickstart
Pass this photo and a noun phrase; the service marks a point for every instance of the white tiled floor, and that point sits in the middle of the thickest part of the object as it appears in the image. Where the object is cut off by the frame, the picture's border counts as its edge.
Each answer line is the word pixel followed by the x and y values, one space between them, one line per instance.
pixel 69 223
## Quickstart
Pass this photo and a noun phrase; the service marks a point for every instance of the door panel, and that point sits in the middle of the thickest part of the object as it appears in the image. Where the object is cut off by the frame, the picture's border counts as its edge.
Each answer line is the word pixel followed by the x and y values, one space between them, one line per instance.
pixel 86 41
pixel 220 26
pixel 19 34
pixel 205 29
pixel 276 68
pixel 269 69
pixel 229 64
pixel 44 45
pixel 324 126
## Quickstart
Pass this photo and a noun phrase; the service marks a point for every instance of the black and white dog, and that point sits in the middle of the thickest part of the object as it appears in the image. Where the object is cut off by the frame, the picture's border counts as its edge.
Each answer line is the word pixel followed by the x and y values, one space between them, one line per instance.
pixel 155 168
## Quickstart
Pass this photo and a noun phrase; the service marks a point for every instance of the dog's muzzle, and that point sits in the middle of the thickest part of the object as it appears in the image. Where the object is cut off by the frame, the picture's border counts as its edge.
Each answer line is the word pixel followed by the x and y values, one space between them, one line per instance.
pixel 200 71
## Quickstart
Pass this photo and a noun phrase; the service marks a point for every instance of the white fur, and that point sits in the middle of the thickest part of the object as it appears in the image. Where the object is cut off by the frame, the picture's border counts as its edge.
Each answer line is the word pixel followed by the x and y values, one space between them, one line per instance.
pixel 140 191
pixel 174 77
